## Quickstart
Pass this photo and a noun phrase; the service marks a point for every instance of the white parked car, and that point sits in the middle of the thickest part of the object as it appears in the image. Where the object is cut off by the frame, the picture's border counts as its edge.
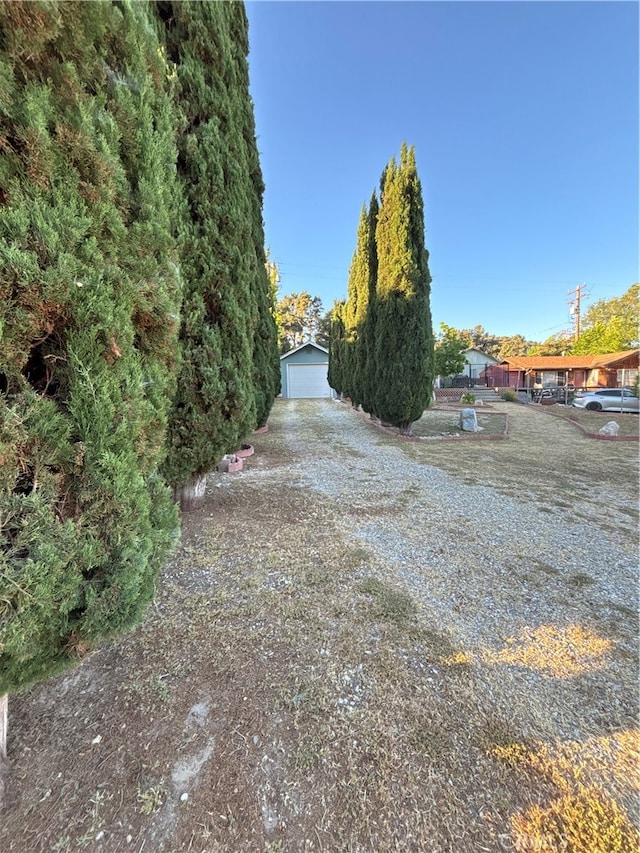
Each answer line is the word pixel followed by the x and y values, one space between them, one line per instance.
pixel 607 400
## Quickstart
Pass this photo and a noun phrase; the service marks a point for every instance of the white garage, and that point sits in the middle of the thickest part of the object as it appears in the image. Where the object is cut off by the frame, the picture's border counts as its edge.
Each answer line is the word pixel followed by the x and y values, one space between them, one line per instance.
pixel 303 372
pixel 308 380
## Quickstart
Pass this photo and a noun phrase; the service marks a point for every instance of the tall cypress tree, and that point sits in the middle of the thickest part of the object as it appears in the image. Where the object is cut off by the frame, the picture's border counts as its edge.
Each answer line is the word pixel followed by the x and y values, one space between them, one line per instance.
pixel 349 312
pixel 266 356
pixel 335 374
pixel 89 301
pixel 403 346
pixel 222 263
pixel 365 313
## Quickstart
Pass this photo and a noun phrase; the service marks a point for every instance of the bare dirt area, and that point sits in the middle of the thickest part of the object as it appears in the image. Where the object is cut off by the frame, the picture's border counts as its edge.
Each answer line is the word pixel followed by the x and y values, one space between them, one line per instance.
pixel 363 644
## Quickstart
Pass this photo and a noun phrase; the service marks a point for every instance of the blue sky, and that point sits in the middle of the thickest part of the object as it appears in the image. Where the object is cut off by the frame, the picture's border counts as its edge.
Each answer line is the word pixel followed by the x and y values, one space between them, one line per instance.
pixel 524 117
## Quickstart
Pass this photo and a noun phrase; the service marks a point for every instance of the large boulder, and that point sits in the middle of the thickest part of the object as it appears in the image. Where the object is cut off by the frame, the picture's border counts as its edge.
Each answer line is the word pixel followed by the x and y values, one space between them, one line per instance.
pixel 468 420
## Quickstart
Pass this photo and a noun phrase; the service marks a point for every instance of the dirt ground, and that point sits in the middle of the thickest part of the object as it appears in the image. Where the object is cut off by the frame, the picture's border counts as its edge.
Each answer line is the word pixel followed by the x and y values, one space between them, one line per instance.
pixel 285 693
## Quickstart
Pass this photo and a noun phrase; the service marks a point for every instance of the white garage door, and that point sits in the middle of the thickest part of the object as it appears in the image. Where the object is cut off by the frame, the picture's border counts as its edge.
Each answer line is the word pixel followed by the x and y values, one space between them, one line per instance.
pixel 308 380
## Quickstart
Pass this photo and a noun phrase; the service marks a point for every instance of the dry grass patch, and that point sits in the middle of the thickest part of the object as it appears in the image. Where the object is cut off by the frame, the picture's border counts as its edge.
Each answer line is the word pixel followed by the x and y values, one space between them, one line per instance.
pixel 581 815
pixel 556 652
pixel 591 422
pixel 437 423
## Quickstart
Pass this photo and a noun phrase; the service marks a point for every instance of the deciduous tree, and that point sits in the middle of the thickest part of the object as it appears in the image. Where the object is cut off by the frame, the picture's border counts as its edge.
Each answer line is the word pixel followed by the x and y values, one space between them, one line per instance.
pixel 557 344
pixel 611 325
pixel 479 338
pixel 449 352
pixel 512 345
pixel 299 318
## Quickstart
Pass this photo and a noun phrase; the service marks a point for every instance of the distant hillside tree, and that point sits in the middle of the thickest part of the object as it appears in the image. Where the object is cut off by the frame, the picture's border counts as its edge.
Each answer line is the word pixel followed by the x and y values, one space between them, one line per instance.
pixel 220 237
pixel 558 344
pixel 479 338
pixel 89 303
pixel 611 325
pixel 404 336
pixel 494 345
pixel 512 345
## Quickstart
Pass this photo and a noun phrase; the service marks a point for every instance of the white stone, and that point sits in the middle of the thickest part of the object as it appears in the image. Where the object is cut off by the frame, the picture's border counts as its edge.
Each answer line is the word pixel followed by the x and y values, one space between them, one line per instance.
pixel 610 428
pixel 468 420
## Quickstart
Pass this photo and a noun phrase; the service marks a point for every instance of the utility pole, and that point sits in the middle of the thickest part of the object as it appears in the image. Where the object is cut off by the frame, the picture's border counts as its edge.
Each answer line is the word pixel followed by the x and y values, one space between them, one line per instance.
pixel 574 306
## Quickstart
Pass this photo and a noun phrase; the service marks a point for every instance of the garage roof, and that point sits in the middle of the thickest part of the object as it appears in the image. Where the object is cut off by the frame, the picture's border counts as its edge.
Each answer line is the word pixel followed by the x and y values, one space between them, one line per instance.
pixel 302 346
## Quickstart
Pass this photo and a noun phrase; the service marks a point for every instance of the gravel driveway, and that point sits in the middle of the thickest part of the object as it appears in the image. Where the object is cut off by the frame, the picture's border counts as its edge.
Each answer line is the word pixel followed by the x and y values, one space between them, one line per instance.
pixel 495 548
pixel 363 644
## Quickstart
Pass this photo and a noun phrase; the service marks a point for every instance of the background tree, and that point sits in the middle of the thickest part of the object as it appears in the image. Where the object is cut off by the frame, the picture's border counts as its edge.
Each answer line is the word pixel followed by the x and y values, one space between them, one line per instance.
pixel 404 337
pixel 449 352
pixel 336 348
pixel 479 338
pixel 611 325
pixel 496 346
pixel 512 345
pixel 323 332
pixel 299 317
pixel 558 344
pixel 222 263
pixel 89 302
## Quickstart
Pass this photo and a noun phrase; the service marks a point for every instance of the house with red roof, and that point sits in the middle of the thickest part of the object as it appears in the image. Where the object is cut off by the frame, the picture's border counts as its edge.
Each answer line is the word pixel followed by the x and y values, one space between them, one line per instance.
pixel 611 370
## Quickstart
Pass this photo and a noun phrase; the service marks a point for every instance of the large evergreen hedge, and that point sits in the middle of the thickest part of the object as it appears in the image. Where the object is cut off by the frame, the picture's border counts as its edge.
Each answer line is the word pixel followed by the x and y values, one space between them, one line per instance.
pixel 89 301
pixel 266 355
pixel 228 375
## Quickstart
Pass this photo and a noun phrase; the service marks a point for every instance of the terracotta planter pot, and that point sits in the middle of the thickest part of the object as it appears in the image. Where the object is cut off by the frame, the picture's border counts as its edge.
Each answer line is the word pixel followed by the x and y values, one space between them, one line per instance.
pixel 245 450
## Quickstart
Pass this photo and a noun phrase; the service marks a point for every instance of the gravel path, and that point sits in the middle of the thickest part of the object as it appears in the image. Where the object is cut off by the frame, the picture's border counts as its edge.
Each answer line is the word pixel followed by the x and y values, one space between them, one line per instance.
pixel 486 566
